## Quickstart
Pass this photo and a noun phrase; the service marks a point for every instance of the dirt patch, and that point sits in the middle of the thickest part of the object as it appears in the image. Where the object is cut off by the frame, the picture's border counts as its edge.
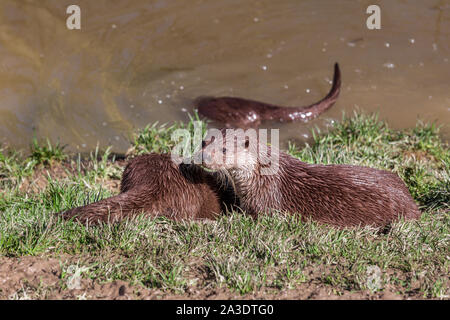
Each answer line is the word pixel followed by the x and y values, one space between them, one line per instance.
pixel 51 278
pixel 47 278
pixel 39 180
pixel 420 155
pixel 60 171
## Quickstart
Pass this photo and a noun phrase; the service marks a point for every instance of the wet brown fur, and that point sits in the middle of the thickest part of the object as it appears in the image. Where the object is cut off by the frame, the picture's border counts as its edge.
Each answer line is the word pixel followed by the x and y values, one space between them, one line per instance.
pixel 154 185
pixel 340 195
pixel 244 113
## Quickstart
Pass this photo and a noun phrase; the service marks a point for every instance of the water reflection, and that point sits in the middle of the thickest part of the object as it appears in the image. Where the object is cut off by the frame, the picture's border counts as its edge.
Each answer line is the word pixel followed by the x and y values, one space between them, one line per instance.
pixel 135 62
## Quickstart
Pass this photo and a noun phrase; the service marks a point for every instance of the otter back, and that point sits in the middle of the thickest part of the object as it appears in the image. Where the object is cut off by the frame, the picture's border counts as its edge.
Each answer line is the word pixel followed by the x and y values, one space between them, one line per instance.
pixel 341 195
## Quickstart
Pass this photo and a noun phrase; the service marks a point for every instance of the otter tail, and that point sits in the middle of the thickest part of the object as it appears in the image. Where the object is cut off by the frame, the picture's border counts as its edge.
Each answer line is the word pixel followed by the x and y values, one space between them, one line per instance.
pixel 111 209
pixel 306 113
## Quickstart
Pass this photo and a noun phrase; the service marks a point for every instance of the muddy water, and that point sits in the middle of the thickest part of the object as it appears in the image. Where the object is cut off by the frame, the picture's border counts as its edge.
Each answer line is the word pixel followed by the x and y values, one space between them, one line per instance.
pixel 136 62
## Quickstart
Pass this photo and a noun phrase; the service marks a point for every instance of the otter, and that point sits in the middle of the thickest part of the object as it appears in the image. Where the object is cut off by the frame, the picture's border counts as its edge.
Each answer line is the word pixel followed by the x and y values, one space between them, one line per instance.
pixel 243 113
pixel 340 195
pixel 155 185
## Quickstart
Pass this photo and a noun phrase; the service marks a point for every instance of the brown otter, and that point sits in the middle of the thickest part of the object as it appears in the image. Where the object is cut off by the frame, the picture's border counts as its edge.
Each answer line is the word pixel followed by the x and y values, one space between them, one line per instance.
pixel 341 195
pixel 155 185
pixel 243 113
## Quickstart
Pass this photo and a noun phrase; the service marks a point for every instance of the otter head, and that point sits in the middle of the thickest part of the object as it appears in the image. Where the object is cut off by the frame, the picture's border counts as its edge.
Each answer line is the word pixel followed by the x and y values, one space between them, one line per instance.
pixel 229 150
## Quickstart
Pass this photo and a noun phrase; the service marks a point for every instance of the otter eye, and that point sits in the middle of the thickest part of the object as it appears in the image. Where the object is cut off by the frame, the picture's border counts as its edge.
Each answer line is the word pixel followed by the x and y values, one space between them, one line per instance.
pixel 224 150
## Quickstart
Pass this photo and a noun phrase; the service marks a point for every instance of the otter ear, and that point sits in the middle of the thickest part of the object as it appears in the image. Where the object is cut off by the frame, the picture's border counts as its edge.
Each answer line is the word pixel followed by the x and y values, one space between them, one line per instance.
pixel 247 142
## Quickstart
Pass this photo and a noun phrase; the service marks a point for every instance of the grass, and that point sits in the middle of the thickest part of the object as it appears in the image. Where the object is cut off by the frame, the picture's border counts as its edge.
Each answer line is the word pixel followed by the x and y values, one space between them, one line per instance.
pixel 46 153
pixel 158 138
pixel 236 253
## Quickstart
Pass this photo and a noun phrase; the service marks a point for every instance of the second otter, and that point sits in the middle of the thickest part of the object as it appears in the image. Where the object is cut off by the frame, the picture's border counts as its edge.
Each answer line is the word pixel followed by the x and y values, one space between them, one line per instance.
pixel 155 185
pixel 341 195
pixel 244 113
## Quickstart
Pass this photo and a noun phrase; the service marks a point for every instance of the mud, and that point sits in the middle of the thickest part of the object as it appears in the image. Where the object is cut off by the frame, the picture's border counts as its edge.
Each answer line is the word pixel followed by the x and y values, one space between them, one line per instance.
pixel 43 278
pixel 60 171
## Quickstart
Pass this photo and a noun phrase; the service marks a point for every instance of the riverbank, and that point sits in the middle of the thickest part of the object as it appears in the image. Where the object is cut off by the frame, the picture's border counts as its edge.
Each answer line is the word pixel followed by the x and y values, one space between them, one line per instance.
pixel 42 256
